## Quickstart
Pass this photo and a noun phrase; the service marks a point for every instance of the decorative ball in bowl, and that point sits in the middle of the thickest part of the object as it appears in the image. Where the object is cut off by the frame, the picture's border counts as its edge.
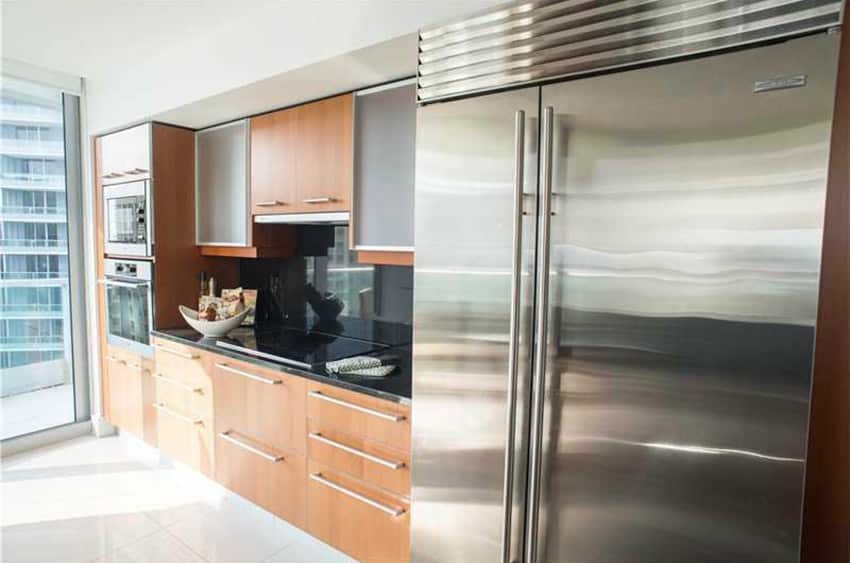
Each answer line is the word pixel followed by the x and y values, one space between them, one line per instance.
pixel 212 329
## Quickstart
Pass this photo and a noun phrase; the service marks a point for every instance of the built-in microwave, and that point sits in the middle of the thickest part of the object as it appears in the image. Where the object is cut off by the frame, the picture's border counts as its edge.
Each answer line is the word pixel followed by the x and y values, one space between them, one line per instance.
pixel 127 220
pixel 129 303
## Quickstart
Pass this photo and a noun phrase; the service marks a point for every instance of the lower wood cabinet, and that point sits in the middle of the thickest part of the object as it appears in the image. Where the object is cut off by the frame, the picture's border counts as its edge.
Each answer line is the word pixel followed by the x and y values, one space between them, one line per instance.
pixel 259 425
pixel 266 476
pixel 184 405
pixel 124 397
pixel 185 437
pixel 331 461
pixel 365 522
pixel 379 465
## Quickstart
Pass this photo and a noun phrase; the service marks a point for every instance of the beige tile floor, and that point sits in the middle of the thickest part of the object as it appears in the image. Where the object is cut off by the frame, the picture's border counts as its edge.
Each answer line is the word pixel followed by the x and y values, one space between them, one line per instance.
pixel 114 500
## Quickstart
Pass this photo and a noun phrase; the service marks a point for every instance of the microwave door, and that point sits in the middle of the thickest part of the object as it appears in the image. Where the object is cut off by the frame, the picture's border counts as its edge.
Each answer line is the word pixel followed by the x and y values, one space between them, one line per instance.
pixel 127 221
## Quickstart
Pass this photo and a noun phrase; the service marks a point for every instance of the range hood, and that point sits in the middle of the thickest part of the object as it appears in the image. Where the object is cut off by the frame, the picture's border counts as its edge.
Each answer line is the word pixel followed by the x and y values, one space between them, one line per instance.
pixel 331 218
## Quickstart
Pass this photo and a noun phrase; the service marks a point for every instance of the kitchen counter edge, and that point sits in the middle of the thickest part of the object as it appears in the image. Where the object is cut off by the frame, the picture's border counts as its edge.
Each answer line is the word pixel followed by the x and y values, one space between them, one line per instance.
pixel 210 346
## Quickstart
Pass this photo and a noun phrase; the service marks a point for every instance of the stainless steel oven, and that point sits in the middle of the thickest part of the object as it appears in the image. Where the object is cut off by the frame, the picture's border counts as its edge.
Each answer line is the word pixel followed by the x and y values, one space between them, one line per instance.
pixel 127 219
pixel 129 304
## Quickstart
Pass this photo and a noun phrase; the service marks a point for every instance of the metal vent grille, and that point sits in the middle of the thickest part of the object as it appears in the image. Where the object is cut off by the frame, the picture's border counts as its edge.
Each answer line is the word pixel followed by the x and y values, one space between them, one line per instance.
pixel 532 41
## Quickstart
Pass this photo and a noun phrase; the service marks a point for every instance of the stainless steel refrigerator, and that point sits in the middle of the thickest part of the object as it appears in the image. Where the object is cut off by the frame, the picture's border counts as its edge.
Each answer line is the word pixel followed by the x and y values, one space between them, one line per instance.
pixel 615 294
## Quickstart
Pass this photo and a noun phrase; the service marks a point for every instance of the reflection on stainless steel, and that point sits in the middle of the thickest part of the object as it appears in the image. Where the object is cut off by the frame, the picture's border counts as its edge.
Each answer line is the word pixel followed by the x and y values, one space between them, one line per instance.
pixel 683 289
pixel 688 449
pixel 536 41
pixel 464 216
pixel 672 321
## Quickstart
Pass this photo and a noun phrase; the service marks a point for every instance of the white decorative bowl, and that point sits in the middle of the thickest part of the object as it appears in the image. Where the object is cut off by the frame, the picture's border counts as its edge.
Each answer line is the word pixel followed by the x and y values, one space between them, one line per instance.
pixel 211 329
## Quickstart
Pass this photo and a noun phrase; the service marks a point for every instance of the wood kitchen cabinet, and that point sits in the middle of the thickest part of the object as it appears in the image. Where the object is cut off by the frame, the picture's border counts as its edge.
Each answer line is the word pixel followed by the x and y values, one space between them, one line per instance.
pixel 184 405
pixel 126 155
pixel 260 427
pixel 224 225
pixel 358 471
pixel 274 179
pixel 301 158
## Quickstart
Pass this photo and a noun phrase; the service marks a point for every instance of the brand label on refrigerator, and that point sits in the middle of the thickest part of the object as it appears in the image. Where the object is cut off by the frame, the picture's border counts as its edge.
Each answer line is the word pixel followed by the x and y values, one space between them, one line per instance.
pixel 781 83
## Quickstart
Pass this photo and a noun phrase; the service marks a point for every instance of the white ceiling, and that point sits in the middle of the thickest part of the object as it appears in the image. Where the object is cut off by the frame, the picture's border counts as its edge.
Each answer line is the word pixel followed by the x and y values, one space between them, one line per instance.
pixel 147 58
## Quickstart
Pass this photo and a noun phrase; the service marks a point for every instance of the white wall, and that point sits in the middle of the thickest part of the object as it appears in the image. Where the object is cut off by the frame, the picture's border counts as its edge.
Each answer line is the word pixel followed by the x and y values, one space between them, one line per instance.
pixel 267 40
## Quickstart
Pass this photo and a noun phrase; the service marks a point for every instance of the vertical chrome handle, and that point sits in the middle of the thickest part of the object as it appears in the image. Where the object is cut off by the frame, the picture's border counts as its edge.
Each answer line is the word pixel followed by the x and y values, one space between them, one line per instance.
pixel 541 316
pixel 513 343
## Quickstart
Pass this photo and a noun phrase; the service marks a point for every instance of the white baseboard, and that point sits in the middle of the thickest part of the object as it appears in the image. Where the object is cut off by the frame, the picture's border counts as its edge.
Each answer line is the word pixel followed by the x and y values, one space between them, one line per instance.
pixel 101 428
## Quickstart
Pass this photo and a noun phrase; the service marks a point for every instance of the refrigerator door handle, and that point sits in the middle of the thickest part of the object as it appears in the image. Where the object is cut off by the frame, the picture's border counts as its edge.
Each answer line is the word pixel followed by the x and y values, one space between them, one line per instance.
pixel 541 318
pixel 513 350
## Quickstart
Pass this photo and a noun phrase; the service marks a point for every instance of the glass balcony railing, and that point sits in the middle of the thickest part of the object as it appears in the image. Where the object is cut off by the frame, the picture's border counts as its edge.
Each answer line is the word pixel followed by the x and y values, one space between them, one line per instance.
pixel 32 243
pixel 33 275
pixel 32 181
pixel 26 114
pixel 32 148
pixel 31 210
pixel 30 343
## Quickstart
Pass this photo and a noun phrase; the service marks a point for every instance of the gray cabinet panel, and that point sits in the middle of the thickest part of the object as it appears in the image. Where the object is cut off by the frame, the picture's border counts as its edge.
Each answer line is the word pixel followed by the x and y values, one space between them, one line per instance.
pixel 385 152
pixel 221 183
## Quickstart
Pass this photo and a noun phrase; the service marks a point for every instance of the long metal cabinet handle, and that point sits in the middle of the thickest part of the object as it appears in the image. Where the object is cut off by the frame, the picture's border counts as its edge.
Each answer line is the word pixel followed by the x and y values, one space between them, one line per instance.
pixel 352 406
pixel 176 352
pixel 354 451
pixel 191 420
pixel 174 382
pixel 357 496
pixel 251 376
pixel 130 285
pixel 268 203
pixel 318 200
pixel 541 315
pixel 513 343
pixel 227 436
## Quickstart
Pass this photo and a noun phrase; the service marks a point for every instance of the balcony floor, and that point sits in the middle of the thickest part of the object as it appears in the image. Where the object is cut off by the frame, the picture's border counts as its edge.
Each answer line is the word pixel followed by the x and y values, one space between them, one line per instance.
pixel 36 410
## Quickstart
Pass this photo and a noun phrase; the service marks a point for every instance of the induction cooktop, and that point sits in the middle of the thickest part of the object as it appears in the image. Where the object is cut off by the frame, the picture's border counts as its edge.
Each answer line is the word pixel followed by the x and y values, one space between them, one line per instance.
pixel 305 349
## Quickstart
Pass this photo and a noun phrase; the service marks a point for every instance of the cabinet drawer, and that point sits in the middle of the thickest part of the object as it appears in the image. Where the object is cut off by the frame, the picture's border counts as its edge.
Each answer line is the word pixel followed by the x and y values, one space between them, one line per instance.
pixel 185 437
pixel 124 395
pixel 264 404
pixel 367 524
pixel 268 477
pixel 180 363
pixel 376 464
pixel 379 421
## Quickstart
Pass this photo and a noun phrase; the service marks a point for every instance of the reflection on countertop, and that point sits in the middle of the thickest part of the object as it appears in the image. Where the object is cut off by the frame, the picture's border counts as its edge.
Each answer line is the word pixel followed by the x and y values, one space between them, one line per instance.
pixel 311 343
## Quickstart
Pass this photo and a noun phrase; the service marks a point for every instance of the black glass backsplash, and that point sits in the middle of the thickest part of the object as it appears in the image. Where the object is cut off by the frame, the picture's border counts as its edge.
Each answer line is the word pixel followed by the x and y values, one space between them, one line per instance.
pixel 324 266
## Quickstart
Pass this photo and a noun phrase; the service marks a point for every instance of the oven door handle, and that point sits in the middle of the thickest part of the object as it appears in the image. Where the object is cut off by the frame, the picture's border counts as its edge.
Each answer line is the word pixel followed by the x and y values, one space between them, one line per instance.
pixel 131 285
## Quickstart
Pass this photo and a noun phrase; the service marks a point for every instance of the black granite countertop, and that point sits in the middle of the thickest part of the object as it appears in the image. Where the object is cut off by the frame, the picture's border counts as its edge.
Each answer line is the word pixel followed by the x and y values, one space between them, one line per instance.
pixel 394 387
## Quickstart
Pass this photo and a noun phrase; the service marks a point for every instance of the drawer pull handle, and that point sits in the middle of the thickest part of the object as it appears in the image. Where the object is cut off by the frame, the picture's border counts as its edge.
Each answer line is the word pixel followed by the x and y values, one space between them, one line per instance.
pixel 318 200
pixel 266 380
pixel 116 360
pixel 358 408
pixel 354 451
pixel 164 409
pixel 180 384
pixel 227 436
pixel 271 203
pixel 357 496
pixel 137 367
pixel 176 352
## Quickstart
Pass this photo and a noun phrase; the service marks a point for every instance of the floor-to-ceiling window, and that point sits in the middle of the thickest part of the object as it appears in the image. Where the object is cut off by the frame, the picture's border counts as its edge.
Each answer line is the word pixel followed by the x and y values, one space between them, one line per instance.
pixel 36 336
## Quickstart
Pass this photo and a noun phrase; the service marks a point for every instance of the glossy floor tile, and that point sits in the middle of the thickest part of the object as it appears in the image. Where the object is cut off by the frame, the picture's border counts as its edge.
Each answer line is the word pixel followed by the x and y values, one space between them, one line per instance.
pixel 114 500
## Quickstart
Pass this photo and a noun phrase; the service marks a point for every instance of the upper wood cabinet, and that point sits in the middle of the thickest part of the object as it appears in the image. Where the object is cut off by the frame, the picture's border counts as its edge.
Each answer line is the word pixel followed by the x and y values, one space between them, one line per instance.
pixel 301 158
pixel 126 155
pixel 384 160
